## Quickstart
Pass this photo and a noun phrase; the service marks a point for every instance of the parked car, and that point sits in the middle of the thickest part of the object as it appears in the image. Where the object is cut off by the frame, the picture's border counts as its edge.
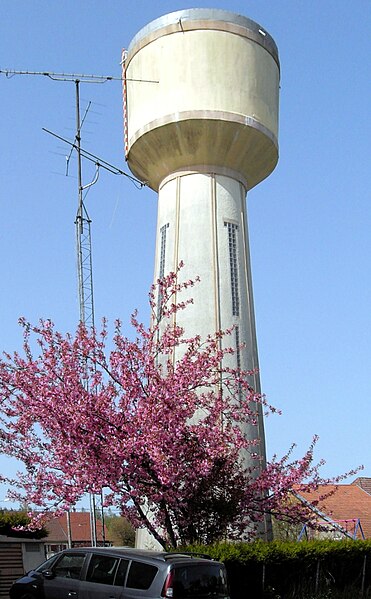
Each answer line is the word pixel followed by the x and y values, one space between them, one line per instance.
pixel 123 573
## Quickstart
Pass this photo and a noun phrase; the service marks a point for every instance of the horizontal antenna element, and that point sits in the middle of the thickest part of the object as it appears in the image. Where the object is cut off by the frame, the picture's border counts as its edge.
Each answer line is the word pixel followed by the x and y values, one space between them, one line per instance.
pixel 72 76
pixel 98 161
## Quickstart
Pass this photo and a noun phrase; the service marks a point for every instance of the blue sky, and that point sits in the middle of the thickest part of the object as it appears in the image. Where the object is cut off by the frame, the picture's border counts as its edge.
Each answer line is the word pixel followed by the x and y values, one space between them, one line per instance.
pixel 309 222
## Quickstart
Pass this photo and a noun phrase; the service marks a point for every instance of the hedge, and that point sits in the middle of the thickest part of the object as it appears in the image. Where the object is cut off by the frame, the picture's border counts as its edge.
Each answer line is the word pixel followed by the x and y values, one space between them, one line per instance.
pixel 306 569
pixel 12 520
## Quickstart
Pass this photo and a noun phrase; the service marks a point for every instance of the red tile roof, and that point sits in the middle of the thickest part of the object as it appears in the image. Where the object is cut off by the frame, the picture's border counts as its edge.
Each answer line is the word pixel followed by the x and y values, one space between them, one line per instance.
pixel 364 483
pixel 348 504
pixel 80 528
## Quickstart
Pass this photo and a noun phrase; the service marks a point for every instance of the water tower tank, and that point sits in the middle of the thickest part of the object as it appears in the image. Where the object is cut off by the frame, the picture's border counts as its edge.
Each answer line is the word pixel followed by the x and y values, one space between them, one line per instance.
pixel 216 100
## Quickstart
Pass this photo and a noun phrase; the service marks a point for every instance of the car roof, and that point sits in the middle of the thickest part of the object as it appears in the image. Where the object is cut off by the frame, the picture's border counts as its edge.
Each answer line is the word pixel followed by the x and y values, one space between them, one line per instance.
pixel 132 553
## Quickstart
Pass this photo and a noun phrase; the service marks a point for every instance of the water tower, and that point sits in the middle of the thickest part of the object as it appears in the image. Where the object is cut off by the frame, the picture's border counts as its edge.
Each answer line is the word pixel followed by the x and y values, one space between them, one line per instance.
pixel 201 137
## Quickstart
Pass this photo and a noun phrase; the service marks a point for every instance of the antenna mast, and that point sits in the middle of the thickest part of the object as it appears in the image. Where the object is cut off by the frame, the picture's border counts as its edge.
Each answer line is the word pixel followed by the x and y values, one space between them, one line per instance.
pixel 84 270
pixel 83 234
pixel 83 226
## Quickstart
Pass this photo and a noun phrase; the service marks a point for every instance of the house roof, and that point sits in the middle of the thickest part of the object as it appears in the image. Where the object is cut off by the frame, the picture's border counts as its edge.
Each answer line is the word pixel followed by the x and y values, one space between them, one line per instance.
pixel 80 528
pixel 364 483
pixel 346 505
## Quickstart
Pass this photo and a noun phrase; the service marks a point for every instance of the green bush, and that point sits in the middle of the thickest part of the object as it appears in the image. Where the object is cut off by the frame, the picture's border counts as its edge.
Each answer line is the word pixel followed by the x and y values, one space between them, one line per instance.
pixel 298 570
pixel 12 520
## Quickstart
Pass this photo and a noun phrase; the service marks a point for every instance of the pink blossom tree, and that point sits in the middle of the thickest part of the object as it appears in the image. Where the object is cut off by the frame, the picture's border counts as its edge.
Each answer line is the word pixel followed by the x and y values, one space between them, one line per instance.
pixel 161 435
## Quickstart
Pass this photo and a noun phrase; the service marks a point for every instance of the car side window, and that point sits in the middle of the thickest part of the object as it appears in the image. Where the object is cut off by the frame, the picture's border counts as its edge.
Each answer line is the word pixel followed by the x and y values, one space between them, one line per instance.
pixel 69 565
pixel 102 569
pixel 141 575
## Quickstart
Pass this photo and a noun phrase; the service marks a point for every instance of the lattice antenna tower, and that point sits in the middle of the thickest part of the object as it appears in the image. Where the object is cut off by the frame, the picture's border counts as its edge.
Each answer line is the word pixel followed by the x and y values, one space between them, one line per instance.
pixel 83 221
pixel 83 233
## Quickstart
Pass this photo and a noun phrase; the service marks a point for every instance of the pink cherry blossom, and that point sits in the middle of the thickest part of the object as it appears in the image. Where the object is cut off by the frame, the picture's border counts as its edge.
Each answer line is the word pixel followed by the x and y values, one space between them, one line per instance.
pixel 163 438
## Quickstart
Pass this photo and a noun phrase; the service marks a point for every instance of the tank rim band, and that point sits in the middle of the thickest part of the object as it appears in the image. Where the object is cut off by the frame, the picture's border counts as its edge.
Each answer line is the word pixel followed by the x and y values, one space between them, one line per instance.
pixel 212 115
pixel 201 18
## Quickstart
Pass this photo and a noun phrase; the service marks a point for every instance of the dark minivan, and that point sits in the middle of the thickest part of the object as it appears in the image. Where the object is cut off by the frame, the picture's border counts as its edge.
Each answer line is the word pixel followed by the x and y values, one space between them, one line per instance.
pixel 123 573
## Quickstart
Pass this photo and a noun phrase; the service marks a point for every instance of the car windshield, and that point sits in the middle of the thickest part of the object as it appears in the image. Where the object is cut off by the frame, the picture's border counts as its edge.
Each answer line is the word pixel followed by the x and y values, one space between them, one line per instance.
pixel 206 580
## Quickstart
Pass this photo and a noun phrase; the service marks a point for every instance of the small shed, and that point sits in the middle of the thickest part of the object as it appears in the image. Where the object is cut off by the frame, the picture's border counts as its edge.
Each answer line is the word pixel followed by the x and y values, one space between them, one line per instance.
pixel 17 556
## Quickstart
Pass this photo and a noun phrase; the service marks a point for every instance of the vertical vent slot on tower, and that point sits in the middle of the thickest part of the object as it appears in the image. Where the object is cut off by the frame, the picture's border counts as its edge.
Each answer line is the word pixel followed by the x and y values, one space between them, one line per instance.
pixel 238 344
pixel 238 357
pixel 232 246
pixel 161 273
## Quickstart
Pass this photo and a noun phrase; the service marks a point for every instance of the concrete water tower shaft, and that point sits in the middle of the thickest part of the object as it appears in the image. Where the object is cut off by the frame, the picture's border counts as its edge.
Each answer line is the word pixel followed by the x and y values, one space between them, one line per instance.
pixel 201 137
